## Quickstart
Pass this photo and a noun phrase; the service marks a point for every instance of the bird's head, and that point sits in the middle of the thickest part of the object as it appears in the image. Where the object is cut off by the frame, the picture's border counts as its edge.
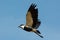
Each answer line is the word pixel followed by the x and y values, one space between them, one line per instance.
pixel 21 26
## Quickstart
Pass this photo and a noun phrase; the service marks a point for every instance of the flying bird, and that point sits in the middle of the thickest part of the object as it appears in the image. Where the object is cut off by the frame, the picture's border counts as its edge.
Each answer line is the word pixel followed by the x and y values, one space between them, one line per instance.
pixel 32 21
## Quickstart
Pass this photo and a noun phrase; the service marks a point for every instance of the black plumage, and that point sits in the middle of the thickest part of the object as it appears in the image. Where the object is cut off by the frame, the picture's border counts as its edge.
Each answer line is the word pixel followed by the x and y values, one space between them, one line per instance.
pixel 34 14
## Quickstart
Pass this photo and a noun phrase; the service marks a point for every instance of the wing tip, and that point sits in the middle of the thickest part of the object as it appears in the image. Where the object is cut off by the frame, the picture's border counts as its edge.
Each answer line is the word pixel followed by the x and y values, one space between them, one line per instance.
pixel 32 6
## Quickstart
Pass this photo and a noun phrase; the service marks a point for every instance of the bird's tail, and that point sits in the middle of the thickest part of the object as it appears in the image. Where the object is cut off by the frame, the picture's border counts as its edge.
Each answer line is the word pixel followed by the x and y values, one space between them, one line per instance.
pixel 38 33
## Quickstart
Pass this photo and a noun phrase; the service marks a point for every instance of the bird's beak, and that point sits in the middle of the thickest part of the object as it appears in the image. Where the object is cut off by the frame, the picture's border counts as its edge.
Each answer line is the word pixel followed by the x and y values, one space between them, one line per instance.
pixel 19 27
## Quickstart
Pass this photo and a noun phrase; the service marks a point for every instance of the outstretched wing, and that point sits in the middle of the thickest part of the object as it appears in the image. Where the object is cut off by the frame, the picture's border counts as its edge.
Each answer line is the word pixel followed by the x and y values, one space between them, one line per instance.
pixel 29 20
pixel 32 17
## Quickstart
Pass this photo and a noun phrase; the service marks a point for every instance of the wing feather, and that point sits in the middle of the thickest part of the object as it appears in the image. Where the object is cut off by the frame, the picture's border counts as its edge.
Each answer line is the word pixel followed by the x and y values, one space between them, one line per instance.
pixel 29 20
pixel 32 17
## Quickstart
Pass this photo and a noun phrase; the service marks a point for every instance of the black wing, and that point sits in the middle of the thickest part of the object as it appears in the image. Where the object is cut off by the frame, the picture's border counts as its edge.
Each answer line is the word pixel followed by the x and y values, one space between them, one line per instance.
pixel 34 14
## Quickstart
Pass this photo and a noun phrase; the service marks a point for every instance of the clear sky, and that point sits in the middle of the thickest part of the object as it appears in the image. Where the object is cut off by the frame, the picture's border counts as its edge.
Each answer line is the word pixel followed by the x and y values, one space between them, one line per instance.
pixel 13 13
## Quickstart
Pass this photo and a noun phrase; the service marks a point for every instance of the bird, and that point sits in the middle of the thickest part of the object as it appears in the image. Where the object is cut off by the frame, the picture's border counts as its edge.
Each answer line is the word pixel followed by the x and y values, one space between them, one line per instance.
pixel 32 21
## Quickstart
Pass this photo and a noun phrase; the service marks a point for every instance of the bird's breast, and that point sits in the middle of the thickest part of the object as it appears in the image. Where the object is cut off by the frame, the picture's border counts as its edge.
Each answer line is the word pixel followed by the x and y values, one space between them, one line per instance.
pixel 27 29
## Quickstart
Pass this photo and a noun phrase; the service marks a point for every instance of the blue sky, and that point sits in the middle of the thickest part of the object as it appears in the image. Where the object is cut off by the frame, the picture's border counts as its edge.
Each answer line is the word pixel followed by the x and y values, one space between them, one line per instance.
pixel 13 13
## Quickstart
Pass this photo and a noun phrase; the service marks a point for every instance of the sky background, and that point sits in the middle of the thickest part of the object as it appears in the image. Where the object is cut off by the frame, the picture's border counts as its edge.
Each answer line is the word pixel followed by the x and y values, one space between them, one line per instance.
pixel 13 13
